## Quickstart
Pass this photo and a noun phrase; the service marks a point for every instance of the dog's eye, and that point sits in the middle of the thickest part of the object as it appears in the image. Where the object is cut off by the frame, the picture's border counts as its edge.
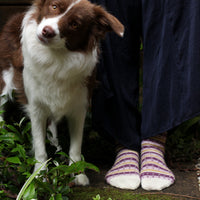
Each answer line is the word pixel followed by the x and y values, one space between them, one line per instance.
pixel 54 7
pixel 74 25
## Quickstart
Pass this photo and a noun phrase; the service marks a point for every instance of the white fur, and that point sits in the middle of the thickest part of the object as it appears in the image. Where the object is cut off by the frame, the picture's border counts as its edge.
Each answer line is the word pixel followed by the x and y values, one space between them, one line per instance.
pixel 121 34
pixel 56 42
pixel 53 137
pixel 9 85
pixel 54 82
pixel 71 6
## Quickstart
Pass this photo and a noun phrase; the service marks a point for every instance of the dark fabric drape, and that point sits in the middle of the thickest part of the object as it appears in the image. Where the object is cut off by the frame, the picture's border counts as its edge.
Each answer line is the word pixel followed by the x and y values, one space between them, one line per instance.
pixel 170 30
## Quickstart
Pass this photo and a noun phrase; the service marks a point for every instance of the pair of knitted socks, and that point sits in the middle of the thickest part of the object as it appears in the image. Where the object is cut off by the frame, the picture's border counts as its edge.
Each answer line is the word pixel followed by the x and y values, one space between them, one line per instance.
pixel 154 173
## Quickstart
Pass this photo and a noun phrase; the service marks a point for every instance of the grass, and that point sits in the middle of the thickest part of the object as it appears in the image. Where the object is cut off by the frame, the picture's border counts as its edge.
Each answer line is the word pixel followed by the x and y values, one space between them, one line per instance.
pixel 87 193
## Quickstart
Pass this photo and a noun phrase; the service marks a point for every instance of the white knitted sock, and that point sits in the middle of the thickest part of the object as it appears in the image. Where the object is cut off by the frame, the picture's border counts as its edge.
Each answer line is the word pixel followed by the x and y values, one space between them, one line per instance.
pixel 124 173
pixel 155 175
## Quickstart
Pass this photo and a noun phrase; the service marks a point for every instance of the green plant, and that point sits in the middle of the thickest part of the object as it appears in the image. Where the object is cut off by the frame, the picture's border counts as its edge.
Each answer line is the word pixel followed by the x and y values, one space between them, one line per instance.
pixel 183 143
pixel 99 198
pixel 16 165
pixel 30 193
pixel 57 179
pixel 53 183
pixel 16 161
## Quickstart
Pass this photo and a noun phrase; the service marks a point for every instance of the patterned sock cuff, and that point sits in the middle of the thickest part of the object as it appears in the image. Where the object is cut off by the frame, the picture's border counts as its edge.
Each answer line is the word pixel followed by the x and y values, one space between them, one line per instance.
pixel 155 175
pixel 126 163
pixel 124 173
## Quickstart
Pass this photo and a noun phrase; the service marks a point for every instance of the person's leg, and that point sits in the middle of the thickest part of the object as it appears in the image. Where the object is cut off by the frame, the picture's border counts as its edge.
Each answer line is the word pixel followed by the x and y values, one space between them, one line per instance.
pixel 162 89
pixel 155 175
pixel 115 101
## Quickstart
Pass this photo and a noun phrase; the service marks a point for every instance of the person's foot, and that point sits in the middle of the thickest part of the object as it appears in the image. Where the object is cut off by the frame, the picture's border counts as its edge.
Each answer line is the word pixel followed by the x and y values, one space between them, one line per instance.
pixel 124 173
pixel 155 175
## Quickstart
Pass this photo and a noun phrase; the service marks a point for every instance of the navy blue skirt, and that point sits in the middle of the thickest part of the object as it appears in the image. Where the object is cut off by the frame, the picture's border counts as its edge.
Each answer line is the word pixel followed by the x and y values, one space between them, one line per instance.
pixel 170 31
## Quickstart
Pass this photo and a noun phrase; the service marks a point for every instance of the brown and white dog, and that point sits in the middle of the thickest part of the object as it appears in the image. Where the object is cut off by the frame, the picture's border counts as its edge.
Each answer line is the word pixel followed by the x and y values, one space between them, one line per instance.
pixel 46 56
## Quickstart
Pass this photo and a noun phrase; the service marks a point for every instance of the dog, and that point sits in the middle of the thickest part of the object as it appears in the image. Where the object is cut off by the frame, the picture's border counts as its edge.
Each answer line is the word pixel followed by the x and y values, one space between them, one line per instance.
pixel 47 56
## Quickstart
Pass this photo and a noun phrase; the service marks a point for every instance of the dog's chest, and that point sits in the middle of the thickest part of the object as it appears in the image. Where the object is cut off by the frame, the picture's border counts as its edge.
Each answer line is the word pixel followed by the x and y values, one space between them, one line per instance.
pixel 64 98
pixel 58 87
pixel 57 97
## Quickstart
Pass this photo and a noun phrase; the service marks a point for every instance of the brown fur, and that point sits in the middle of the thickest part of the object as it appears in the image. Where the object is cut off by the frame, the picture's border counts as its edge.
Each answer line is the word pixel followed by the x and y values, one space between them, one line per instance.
pixel 84 26
pixel 11 53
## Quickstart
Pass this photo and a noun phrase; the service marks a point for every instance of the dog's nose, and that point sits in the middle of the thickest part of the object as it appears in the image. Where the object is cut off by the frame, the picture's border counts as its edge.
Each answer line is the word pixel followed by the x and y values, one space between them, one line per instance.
pixel 48 32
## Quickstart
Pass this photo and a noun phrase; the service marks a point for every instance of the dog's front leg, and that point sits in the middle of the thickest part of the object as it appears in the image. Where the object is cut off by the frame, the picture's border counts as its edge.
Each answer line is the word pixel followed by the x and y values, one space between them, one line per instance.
pixel 76 125
pixel 38 124
pixel 53 138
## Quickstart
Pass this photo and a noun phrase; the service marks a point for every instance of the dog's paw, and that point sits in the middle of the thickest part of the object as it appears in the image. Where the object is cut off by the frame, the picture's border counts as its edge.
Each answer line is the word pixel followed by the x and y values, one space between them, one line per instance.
pixel 81 179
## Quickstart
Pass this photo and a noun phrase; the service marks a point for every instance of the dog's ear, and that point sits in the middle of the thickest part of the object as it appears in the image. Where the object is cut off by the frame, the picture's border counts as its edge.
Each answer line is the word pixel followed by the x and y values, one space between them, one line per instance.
pixel 106 22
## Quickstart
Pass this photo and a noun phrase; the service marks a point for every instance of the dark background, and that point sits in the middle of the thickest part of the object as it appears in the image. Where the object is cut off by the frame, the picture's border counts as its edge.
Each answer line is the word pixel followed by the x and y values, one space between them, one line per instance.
pixel 10 7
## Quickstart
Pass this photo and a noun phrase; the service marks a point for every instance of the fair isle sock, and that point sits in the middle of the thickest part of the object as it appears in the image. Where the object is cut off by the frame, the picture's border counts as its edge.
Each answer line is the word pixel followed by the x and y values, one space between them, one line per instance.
pixel 124 173
pixel 155 175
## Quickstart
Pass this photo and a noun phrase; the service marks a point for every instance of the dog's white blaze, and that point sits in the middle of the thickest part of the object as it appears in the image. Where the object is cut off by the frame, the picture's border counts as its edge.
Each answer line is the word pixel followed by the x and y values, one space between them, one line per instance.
pixel 53 22
pixel 72 5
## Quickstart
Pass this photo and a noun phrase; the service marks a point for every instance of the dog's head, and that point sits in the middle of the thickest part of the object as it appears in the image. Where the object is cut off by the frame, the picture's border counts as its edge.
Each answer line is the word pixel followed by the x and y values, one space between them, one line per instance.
pixel 75 24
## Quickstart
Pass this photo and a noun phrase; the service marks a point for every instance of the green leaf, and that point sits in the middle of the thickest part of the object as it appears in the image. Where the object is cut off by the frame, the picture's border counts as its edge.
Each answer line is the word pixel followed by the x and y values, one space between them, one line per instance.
pixel 30 193
pixel 44 185
pixel 31 161
pixel 21 121
pixel 191 123
pixel 27 174
pixel 82 165
pixel 65 189
pixel 9 137
pixel 97 197
pixel 62 154
pixel 14 160
pixel 20 149
pixel 52 198
pixel 1 111
pixel 55 181
pixel 30 179
pixel 27 128
pixel 12 128
pixel 58 197
pixel 62 168
pixel 76 167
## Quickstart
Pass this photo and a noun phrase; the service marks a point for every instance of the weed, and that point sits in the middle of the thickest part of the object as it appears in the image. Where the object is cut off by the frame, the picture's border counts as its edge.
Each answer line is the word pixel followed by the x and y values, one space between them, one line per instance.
pixel 16 161
pixel 99 198
pixel 16 164
pixel 183 143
